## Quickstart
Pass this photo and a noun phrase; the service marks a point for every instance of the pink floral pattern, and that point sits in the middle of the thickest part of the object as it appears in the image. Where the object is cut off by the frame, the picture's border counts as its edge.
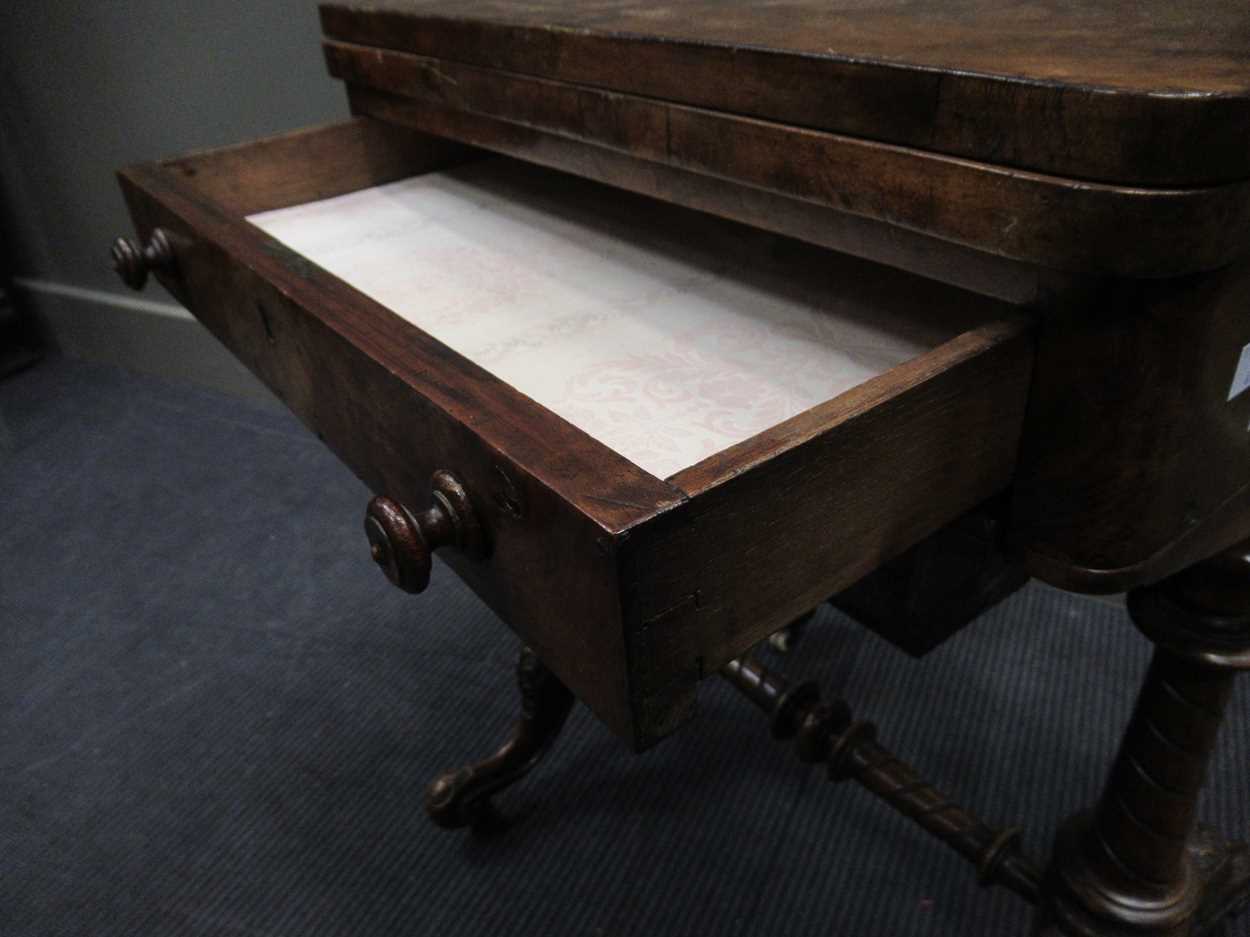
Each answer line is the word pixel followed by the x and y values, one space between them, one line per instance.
pixel 666 337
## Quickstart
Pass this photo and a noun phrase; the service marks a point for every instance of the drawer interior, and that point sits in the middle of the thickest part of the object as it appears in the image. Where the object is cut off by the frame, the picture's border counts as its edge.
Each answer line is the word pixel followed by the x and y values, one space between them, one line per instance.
pixel 665 334
pixel 676 432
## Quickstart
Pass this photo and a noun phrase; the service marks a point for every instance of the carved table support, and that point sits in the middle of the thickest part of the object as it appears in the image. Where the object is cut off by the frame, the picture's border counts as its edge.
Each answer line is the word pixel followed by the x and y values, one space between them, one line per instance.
pixel 461 797
pixel 1136 865
pixel 826 732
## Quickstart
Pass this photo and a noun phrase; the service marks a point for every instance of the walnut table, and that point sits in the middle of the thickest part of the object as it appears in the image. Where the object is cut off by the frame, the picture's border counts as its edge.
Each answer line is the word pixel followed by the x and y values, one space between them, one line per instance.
pixel 666 323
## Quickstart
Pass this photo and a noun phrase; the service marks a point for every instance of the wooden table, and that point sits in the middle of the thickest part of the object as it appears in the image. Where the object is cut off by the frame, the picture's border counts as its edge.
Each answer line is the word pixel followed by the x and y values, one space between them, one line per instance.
pixel 716 310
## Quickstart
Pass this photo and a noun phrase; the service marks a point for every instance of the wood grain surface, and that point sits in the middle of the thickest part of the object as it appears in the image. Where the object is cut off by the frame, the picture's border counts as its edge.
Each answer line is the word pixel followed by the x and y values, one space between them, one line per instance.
pixel 313 163
pixel 585 554
pixel 395 405
pixel 867 238
pixel 778 524
pixel 1134 458
pixel 1149 93
pixel 1026 216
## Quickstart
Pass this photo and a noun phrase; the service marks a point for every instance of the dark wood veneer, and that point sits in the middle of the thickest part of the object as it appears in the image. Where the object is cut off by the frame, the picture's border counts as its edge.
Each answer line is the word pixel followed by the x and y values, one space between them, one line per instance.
pixel 1080 171
pixel 858 236
pixel 1134 463
pixel 312 163
pixel 582 552
pixel 1048 220
pixel 397 406
pixel 1147 93
pixel 1134 459
pixel 780 522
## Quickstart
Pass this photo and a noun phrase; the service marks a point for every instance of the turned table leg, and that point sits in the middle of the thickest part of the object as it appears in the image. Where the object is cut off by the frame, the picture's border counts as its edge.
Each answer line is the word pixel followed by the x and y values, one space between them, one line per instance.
pixel 1136 864
pixel 461 797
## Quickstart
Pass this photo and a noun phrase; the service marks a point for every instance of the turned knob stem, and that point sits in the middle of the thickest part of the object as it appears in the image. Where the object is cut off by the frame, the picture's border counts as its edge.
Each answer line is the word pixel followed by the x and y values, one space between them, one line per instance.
pixel 402 543
pixel 133 263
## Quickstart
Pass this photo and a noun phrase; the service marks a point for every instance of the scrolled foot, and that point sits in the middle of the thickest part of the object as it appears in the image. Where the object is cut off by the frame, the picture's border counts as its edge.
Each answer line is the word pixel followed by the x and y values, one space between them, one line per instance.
pixel 462 797
pixel 1224 867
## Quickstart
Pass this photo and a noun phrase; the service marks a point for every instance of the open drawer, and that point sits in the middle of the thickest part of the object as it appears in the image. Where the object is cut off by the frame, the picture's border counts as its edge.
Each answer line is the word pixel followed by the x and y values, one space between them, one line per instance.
pixel 675 433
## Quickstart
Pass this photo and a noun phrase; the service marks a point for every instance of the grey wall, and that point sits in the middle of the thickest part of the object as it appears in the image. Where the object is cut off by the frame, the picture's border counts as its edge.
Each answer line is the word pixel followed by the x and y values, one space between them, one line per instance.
pixel 86 87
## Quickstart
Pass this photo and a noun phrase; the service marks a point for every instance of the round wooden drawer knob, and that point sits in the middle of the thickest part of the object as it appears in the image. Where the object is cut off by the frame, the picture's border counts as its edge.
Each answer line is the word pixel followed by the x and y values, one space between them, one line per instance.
pixel 133 263
pixel 403 543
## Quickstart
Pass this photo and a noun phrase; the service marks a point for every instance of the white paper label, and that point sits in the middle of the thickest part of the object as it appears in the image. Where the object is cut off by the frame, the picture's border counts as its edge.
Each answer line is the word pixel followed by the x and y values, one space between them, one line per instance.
pixel 1241 380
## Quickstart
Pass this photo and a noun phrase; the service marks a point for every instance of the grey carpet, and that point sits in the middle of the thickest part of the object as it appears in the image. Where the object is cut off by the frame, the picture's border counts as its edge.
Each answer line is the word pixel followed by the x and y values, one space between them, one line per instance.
pixel 216 718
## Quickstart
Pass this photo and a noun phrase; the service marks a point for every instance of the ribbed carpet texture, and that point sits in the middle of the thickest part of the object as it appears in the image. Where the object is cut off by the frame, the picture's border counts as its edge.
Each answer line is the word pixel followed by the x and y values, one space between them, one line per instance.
pixel 217 718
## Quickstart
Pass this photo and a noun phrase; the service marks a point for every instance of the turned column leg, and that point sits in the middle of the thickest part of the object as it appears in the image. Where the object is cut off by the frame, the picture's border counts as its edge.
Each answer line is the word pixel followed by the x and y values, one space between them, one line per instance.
pixel 461 797
pixel 1135 864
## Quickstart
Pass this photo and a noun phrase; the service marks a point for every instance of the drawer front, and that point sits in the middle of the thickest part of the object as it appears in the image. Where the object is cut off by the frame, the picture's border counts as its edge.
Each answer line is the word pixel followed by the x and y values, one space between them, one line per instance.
pixel 631 587
pixel 396 406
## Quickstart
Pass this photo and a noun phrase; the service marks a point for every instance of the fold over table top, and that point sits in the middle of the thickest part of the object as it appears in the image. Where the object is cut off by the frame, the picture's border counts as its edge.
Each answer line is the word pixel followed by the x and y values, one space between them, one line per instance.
pixel 1154 93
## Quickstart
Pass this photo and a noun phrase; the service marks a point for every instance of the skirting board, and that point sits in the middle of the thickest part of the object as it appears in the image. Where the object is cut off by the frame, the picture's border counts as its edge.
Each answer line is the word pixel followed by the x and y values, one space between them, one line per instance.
pixel 153 337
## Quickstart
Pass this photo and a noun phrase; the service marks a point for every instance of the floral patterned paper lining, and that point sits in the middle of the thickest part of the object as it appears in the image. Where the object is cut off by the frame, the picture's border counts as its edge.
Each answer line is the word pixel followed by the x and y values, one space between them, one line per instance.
pixel 667 335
